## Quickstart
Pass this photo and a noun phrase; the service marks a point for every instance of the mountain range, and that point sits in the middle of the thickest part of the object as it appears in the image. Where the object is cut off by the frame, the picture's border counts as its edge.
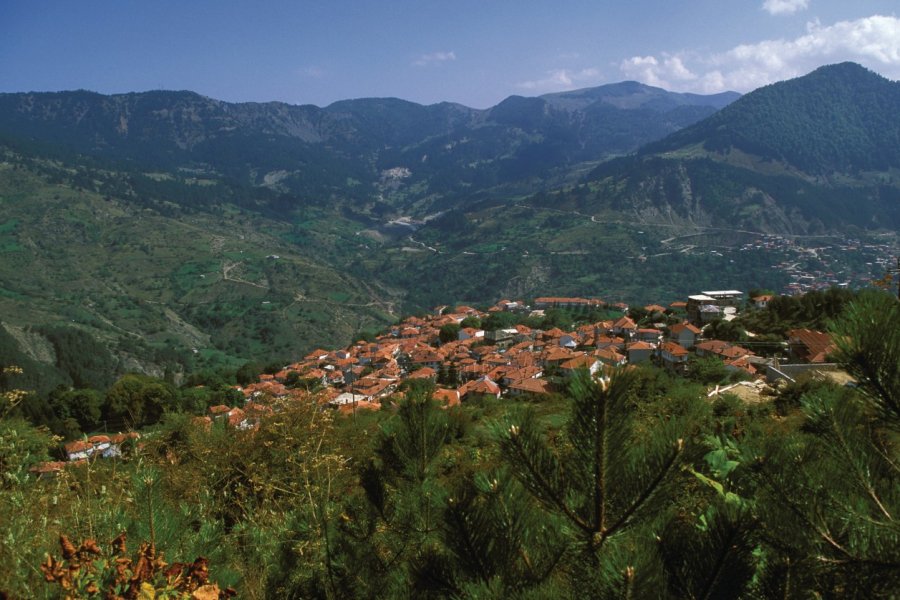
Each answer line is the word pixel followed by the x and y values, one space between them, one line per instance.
pixel 167 220
pixel 447 148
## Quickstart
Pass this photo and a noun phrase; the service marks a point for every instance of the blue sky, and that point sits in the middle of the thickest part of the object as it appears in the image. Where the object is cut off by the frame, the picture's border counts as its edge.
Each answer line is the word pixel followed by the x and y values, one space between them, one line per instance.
pixel 472 52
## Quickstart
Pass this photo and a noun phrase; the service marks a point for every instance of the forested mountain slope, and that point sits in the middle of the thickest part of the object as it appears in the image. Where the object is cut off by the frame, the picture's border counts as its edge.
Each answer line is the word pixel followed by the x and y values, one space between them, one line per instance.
pixel 814 154
pixel 340 152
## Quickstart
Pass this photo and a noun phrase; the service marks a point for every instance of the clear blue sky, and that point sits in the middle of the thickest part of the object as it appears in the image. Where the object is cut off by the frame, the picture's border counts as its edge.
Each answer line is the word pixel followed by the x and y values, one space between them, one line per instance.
pixel 472 52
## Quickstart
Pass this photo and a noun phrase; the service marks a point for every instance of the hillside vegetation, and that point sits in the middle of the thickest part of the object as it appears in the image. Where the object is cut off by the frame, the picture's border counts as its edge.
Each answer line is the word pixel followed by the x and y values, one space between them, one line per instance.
pixel 633 486
pixel 838 119
pixel 163 287
pixel 151 221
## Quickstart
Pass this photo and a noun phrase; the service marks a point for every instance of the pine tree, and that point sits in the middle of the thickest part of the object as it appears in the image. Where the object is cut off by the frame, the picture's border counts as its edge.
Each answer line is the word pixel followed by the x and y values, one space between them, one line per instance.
pixel 829 502
pixel 867 337
pixel 396 525
pixel 495 544
pixel 603 482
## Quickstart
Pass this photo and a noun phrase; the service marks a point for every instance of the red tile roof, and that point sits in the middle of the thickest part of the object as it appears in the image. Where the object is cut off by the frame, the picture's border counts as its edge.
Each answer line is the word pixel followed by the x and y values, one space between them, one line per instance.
pixel 46 468
pixel 447 397
pixel 351 407
pixel 236 416
pixel 579 362
pixel 679 327
pixel 78 446
pixel 522 373
pixel 625 323
pixel 722 349
pixel 557 354
pixel 480 386
pixel 423 373
pixel 131 435
pixel 810 345
pixel 640 346
pixel 531 386
pixel 673 349
pixel 609 355
pixel 742 363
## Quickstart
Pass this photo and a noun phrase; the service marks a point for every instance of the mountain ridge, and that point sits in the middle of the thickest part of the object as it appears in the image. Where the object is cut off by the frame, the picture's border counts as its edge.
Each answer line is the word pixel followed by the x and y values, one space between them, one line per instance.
pixel 624 94
pixel 320 148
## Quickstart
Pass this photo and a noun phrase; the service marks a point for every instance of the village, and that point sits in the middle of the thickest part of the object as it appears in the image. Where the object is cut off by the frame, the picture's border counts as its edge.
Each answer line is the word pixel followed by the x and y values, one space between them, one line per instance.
pixel 462 360
pixel 449 349
pixel 818 264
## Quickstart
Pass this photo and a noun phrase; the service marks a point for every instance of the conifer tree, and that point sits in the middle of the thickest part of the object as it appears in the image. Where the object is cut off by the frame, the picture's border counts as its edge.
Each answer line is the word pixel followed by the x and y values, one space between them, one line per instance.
pixel 867 337
pixel 494 543
pixel 602 482
pixel 398 521
pixel 829 500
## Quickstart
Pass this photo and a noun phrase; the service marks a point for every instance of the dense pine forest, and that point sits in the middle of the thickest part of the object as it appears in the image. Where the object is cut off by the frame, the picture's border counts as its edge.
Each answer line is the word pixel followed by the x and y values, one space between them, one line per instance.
pixel 629 484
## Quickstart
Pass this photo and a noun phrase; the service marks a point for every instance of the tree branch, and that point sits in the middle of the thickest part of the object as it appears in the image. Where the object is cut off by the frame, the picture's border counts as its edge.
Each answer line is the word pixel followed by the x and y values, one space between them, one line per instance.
pixel 643 497
pixel 547 489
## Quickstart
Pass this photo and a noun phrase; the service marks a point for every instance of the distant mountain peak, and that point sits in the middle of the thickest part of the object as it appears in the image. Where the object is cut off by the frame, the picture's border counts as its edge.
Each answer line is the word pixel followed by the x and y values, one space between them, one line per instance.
pixel 845 67
pixel 629 95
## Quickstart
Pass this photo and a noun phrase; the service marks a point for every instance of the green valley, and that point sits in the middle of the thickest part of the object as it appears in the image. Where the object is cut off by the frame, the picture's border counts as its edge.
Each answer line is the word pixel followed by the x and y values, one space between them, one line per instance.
pixel 241 232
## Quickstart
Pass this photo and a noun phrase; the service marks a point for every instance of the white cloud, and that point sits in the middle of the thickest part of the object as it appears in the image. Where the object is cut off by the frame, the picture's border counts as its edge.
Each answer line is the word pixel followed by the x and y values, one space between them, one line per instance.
pixel 661 73
pixel 872 41
pixel 784 7
pixel 560 80
pixel 434 58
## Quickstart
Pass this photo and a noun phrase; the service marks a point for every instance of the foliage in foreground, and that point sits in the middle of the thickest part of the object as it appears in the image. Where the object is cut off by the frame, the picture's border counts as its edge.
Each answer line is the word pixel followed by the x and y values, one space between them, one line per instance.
pixel 86 571
pixel 629 486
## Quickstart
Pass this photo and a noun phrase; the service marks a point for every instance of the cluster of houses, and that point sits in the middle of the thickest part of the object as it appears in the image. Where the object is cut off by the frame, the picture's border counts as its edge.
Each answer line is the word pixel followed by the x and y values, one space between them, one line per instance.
pixel 247 417
pixel 107 446
pixel 80 451
pixel 519 360
pixel 515 361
